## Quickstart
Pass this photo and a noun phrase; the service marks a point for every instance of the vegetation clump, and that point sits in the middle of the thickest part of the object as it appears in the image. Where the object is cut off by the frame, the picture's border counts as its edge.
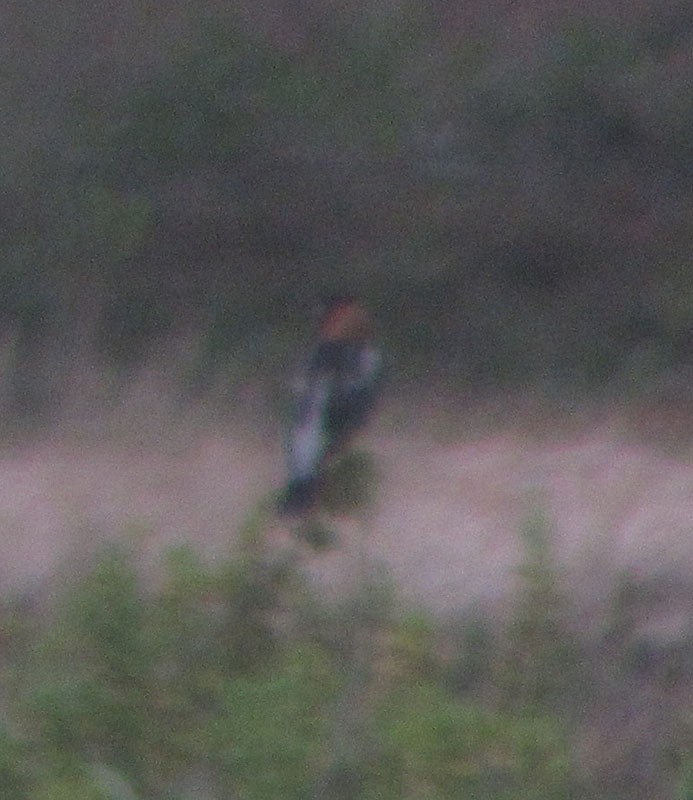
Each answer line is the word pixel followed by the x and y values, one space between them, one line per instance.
pixel 237 680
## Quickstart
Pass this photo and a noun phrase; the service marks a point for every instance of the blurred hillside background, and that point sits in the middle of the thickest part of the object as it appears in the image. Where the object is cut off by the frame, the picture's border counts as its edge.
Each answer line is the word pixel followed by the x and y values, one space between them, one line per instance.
pixel 510 188
pixel 509 185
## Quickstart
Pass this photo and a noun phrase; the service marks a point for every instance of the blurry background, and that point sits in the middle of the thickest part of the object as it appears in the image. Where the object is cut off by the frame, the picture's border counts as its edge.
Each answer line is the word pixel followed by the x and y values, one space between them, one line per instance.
pixel 509 187
pixel 506 609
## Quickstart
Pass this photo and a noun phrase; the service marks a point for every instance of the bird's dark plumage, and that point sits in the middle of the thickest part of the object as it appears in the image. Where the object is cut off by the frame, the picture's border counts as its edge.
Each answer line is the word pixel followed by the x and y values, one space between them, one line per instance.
pixel 334 397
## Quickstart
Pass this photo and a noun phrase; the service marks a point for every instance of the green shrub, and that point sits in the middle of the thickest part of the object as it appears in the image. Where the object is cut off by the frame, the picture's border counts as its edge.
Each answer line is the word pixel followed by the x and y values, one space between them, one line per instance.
pixel 685 789
pixel 12 767
pixel 268 736
pixel 350 484
pixel 540 668
pixel 234 678
pixel 437 748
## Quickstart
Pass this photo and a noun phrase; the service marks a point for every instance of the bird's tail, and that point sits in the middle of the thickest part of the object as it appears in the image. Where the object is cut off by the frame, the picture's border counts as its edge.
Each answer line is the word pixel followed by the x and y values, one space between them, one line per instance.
pixel 306 448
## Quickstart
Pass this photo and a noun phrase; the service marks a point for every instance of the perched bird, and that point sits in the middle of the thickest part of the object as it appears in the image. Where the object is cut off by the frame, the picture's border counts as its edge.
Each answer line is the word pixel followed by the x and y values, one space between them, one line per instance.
pixel 333 397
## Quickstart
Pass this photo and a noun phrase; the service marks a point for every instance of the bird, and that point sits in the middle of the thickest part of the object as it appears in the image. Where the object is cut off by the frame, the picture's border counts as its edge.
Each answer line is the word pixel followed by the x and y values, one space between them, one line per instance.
pixel 333 398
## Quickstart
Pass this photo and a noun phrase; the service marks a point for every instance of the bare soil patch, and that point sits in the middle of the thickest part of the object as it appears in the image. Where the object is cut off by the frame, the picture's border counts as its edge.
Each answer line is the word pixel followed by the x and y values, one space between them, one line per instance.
pixel 447 522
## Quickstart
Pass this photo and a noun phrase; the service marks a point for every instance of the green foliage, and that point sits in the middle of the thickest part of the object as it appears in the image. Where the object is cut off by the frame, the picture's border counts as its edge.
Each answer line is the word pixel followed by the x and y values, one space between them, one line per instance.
pixel 12 775
pixel 233 679
pixel 411 652
pixel 437 744
pixel 542 664
pixel 685 791
pixel 447 750
pixel 128 692
pixel 79 788
pixel 467 669
pixel 350 484
pixel 91 695
pixel 270 729
pixel 124 677
pixel 316 533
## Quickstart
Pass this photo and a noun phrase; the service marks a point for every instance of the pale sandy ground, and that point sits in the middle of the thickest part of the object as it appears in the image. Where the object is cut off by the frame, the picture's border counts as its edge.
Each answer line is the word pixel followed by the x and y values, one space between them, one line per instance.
pixel 446 525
